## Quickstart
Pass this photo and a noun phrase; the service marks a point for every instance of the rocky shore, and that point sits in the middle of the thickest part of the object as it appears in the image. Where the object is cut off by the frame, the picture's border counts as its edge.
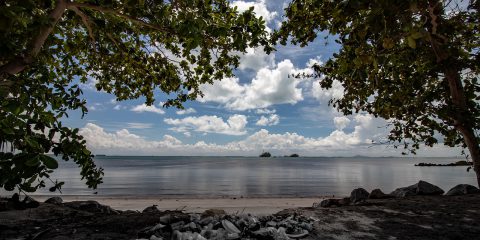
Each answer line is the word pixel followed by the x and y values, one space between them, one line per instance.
pixel 420 211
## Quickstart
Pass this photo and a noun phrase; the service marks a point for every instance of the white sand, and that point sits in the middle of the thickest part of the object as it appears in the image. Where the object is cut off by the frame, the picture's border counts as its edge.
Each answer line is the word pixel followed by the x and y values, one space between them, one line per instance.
pixel 257 206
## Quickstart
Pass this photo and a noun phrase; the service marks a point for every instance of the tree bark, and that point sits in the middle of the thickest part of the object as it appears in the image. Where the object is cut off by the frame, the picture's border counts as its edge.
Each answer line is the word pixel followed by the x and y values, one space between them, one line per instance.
pixel 19 63
pixel 462 120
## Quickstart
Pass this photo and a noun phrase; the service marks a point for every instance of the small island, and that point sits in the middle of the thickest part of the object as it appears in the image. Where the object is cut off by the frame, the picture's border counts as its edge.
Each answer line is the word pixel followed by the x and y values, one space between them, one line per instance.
pixel 459 163
pixel 265 154
pixel 294 155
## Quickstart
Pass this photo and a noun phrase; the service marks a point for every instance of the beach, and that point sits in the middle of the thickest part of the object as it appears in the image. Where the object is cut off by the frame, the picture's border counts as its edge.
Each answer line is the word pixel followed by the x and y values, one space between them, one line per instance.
pixel 232 205
pixel 415 217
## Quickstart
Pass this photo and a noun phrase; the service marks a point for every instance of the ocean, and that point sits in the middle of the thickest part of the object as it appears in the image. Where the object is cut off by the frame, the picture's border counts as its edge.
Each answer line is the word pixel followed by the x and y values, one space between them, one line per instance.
pixel 257 177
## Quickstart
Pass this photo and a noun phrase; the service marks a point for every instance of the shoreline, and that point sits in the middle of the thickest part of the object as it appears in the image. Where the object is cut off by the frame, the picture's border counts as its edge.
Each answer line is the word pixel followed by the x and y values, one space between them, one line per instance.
pixel 231 205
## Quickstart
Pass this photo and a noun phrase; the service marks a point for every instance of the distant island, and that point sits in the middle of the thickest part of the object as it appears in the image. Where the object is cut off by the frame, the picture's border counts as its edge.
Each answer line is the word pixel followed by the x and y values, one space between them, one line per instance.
pixel 265 154
pixel 459 163
pixel 294 155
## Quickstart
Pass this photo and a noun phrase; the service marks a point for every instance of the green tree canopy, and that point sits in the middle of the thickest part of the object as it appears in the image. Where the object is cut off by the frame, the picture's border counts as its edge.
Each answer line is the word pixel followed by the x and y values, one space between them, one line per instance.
pixel 413 62
pixel 132 48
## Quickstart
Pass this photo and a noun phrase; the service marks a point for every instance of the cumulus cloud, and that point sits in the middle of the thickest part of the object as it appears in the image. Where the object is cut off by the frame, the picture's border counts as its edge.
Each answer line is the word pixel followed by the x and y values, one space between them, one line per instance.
pixel 335 92
pixel 265 111
pixel 268 121
pixel 255 59
pixel 144 108
pixel 235 125
pixel 337 143
pixel 186 111
pixel 269 87
pixel 260 9
pixel 341 122
pixel 135 125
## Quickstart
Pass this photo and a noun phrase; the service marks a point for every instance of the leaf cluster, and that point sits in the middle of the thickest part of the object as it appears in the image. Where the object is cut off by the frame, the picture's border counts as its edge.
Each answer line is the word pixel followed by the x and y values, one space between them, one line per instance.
pixel 390 64
pixel 131 48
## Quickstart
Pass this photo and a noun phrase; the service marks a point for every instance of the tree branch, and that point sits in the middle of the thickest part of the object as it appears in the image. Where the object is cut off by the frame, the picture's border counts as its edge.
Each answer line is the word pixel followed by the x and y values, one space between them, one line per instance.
pixel 19 63
pixel 85 20
pixel 119 14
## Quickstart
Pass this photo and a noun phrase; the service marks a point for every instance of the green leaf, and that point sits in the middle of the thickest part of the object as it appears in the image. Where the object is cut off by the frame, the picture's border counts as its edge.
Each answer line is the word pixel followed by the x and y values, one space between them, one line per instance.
pixel 49 162
pixel 34 161
pixel 411 42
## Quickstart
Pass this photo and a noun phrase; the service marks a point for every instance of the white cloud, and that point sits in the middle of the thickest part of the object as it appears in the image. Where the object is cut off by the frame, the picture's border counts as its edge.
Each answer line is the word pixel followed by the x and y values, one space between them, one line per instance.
pixel 260 9
pixel 135 125
pixel 265 111
pixel 269 87
pixel 235 125
pixel 337 143
pixel 186 111
pixel 255 59
pixel 335 92
pixel 273 119
pixel 144 108
pixel 341 122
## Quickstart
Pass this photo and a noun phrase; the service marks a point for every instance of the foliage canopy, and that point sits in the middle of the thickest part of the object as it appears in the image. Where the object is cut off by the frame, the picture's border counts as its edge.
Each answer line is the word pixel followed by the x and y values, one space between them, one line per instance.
pixel 131 48
pixel 415 63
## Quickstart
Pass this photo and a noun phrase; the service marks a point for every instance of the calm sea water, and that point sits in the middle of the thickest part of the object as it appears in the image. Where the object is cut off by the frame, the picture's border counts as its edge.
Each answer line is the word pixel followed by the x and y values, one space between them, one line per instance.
pixel 253 176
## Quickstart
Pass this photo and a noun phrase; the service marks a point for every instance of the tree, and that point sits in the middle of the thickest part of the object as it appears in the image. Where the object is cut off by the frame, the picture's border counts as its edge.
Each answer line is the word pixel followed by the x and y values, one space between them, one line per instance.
pixel 412 62
pixel 131 48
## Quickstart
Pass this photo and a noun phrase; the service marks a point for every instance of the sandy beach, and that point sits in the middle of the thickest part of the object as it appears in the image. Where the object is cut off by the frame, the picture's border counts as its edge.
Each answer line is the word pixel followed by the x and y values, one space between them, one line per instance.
pixel 257 206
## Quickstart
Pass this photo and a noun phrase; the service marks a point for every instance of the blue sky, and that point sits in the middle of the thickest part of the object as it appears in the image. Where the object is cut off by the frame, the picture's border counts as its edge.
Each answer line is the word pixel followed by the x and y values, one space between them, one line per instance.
pixel 261 109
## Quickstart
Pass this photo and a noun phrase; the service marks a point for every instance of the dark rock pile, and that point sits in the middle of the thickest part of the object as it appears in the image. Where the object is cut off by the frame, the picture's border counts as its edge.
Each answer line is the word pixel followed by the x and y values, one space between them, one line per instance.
pixel 359 196
pixel 215 224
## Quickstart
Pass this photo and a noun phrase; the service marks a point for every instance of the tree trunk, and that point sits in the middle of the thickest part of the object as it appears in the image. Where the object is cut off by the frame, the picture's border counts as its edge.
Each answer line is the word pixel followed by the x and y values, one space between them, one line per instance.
pixel 462 118
pixel 19 63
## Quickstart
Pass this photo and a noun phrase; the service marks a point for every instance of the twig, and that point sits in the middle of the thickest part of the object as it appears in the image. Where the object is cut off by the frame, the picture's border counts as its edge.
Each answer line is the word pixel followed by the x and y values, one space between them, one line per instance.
pixel 85 21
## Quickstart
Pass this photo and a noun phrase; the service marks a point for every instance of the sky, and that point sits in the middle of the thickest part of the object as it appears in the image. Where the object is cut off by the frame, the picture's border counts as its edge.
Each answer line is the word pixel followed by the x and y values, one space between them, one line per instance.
pixel 261 109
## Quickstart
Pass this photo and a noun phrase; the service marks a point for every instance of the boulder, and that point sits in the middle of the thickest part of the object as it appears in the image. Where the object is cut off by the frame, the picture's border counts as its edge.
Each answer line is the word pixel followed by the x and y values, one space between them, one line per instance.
pixel 420 188
pixel 330 203
pixel 90 206
pixel 30 202
pixel 378 194
pixel 358 195
pixel 213 212
pixel 151 209
pixel 462 189
pixel 54 200
pixel 344 201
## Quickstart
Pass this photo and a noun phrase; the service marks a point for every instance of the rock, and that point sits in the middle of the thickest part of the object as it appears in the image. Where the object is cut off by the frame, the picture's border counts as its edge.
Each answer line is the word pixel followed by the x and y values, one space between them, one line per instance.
pixel 420 188
pixel 281 234
pixel 213 212
pixel 378 194
pixel 30 202
pixel 462 189
pixel 358 195
pixel 166 219
pixel 205 221
pixel 151 209
pixel 298 235
pixel 231 236
pixel 230 227
pixel 54 200
pixel 329 203
pixel 90 206
pixel 404 192
pixel 177 225
pixel 344 201
pixel 264 233
pixel 177 235
pixel 153 237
